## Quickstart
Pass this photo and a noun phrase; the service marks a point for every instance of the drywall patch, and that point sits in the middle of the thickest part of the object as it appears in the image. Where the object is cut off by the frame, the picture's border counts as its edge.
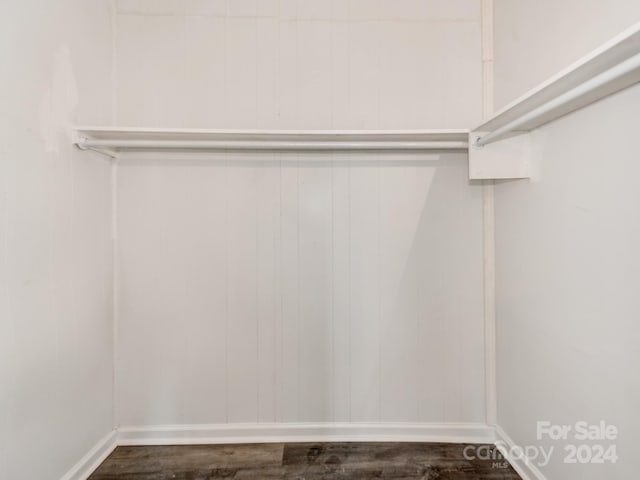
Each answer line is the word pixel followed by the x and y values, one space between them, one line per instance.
pixel 59 101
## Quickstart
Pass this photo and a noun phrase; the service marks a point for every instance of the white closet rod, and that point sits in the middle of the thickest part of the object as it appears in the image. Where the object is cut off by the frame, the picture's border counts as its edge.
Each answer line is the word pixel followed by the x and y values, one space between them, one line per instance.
pixel 271 145
pixel 609 76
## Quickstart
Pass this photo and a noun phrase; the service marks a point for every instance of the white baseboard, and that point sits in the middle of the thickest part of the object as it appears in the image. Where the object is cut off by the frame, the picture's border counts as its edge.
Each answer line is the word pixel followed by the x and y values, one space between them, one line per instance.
pixel 525 469
pixel 283 432
pixel 93 458
pixel 301 432
pixel 306 432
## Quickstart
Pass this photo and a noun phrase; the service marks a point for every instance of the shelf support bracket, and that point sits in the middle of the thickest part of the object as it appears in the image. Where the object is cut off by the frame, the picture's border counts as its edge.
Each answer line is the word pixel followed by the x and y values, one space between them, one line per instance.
pixel 509 158
pixel 80 143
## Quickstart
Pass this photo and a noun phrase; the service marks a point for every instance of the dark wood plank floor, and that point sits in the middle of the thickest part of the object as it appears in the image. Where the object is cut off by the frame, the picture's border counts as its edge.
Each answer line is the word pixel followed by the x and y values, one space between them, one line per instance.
pixel 301 461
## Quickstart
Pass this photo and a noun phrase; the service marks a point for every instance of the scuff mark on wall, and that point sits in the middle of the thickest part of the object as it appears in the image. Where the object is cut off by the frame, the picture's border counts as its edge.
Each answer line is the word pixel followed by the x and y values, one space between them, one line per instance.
pixel 59 102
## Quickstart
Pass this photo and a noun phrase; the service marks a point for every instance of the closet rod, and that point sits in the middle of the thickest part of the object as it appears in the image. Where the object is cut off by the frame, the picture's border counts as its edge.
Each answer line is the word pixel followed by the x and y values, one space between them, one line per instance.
pixel 271 145
pixel 590 86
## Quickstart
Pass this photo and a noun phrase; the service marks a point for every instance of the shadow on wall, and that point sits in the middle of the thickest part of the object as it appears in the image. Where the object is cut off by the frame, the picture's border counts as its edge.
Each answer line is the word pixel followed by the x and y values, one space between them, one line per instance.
pixel 333 288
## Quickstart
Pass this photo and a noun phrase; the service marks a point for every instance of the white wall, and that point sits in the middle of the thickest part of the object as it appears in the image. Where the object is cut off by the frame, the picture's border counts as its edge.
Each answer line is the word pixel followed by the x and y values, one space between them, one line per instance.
pixel 298 289
pixel 567 261
pixel 55 251
pixel 299 63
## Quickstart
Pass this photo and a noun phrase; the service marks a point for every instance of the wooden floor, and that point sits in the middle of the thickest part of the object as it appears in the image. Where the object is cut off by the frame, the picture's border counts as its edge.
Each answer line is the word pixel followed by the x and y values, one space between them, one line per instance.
pixel 298 461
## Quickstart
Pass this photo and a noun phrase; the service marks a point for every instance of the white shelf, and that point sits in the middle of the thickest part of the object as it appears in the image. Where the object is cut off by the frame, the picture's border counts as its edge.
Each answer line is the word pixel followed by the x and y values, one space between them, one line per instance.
pixel 608 69
pixel 114 140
